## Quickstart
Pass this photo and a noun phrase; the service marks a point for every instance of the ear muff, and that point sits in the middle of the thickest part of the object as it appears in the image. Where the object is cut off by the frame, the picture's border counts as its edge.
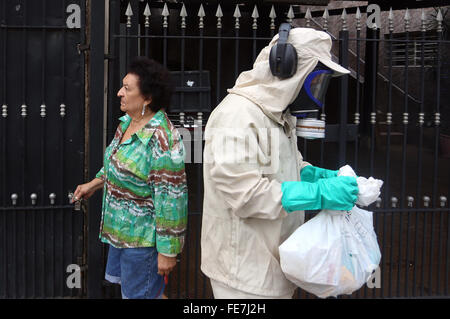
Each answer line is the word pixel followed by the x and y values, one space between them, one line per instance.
pixel 283 57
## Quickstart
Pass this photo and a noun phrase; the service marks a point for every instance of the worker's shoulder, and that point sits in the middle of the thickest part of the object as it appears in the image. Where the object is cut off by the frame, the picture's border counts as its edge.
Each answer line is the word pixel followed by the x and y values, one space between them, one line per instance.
pixel 237 109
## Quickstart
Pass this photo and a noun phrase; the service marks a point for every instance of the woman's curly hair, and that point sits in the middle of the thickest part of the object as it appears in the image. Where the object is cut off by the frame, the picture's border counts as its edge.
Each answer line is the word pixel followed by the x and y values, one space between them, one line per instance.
pixel 154 82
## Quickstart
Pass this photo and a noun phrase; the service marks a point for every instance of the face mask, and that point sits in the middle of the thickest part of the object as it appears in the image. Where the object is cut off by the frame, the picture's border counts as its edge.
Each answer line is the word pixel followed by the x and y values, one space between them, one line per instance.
pixel 310 101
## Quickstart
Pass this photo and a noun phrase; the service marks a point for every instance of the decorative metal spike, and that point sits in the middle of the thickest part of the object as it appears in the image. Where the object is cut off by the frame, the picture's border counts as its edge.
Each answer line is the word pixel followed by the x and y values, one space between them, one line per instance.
pixel 33 199
pixel 165 13
pixel 308 18
pixel 237 15
pixel 423 20
pixel 357 117
pixel 405 118
pixel 62 110
pixel 443 200
pixel 426 201
pixel 4 110
pixel 394 201
pixel 407 20
pixel 43 113
pixel 52 198
pixel 389 118
pixel 439 20
pixel 255 16
pixel 391 20
pixel 407 15
pixel 344 20
pixel 129 13
pixel 23 110
pixel 325 17
pixel 421 119
pixel 437 119
pixel 290 14
pixel 373 118
pixel 410 200
pixel 272 16
pixel 183 15
pixel 147 15
pixel 201 14
pixel 14 198
pixel 391 14
pixel 219 15
pixel 358 19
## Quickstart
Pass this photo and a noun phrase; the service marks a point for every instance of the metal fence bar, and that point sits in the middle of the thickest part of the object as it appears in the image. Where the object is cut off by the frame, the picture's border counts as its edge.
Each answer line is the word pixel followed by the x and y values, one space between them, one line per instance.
pixel 43 105
pixel 147 14
pixel 358 72
pixel 373 120
pixel 343 98
pixel 357 115
pixel 62 138
pixel 420 152
pixel 403 174
pixel 165 14
pixel 219 59
pixel 404 159
pixel 20 218
pixel 436 149
pixel 4 162
pixel 255 16
pixel 128 13
pixel 199 168
pixel 388 160
pixel 236 15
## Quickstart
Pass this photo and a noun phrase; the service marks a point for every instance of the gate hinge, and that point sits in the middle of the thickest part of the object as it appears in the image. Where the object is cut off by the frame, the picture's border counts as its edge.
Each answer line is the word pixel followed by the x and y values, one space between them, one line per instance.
pixel 82 47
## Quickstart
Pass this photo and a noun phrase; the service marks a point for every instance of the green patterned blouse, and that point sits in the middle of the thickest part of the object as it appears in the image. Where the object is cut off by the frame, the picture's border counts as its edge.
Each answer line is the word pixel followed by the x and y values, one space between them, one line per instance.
pixel 145 191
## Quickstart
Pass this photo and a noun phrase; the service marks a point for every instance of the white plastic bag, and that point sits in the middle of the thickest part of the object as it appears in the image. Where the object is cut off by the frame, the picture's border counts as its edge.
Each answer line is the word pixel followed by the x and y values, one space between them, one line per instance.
pixel 335 252
pixel 369 188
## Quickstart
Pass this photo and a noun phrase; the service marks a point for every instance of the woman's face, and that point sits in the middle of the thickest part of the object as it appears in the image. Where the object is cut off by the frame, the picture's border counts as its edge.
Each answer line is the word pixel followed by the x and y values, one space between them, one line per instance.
pixel 131 99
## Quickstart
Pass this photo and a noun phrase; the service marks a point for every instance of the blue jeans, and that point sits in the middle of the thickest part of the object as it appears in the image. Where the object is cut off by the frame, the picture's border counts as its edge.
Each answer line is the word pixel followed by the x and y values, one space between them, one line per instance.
pixel 136 270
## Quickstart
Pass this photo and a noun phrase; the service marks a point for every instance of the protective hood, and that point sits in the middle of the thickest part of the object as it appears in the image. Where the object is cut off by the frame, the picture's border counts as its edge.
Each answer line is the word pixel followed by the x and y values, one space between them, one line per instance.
pixel 272 94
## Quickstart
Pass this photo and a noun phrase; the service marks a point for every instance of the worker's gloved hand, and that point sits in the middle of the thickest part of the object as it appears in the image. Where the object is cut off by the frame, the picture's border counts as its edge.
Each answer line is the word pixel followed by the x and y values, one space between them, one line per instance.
pixel 312 173
pixel 335 193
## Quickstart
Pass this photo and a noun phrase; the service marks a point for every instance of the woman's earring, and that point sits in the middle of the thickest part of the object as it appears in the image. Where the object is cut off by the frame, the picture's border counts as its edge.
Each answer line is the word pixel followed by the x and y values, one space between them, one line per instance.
pixel 143 110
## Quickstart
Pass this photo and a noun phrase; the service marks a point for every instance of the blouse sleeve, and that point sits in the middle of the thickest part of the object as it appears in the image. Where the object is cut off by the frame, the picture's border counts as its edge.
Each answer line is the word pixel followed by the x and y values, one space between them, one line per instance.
pixel 101 174
pixel 170 201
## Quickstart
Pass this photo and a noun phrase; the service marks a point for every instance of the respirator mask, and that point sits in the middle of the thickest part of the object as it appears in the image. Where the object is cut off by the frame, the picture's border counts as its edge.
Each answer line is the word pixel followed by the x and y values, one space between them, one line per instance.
pixel 310 102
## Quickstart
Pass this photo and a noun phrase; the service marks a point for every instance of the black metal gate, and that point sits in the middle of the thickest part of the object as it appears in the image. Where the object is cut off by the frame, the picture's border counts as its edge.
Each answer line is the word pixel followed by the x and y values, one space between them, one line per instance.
pixel 41 147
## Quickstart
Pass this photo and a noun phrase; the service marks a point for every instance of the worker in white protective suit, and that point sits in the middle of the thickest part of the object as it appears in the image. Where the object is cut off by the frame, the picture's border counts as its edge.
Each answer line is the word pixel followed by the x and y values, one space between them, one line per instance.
pixel 256 184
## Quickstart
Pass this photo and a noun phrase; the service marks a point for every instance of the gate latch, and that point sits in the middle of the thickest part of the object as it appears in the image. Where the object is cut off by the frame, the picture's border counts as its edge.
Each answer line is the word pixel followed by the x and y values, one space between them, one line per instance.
pixel 82 47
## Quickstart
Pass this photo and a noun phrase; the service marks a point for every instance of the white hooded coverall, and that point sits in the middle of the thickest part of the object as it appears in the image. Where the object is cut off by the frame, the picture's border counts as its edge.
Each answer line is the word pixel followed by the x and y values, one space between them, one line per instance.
pixel 250 149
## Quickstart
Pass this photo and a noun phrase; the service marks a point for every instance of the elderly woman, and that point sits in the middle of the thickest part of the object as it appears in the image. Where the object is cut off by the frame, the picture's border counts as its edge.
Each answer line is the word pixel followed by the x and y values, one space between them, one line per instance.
pixel 144 208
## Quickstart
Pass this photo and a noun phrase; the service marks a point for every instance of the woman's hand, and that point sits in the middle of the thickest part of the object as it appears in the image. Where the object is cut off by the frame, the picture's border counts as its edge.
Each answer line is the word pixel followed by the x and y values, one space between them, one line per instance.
pixel 166 264
pixel 84 191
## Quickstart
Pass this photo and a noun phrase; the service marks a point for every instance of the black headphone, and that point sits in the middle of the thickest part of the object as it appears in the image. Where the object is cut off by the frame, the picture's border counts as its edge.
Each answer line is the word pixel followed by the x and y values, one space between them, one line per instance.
pixel 283 56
